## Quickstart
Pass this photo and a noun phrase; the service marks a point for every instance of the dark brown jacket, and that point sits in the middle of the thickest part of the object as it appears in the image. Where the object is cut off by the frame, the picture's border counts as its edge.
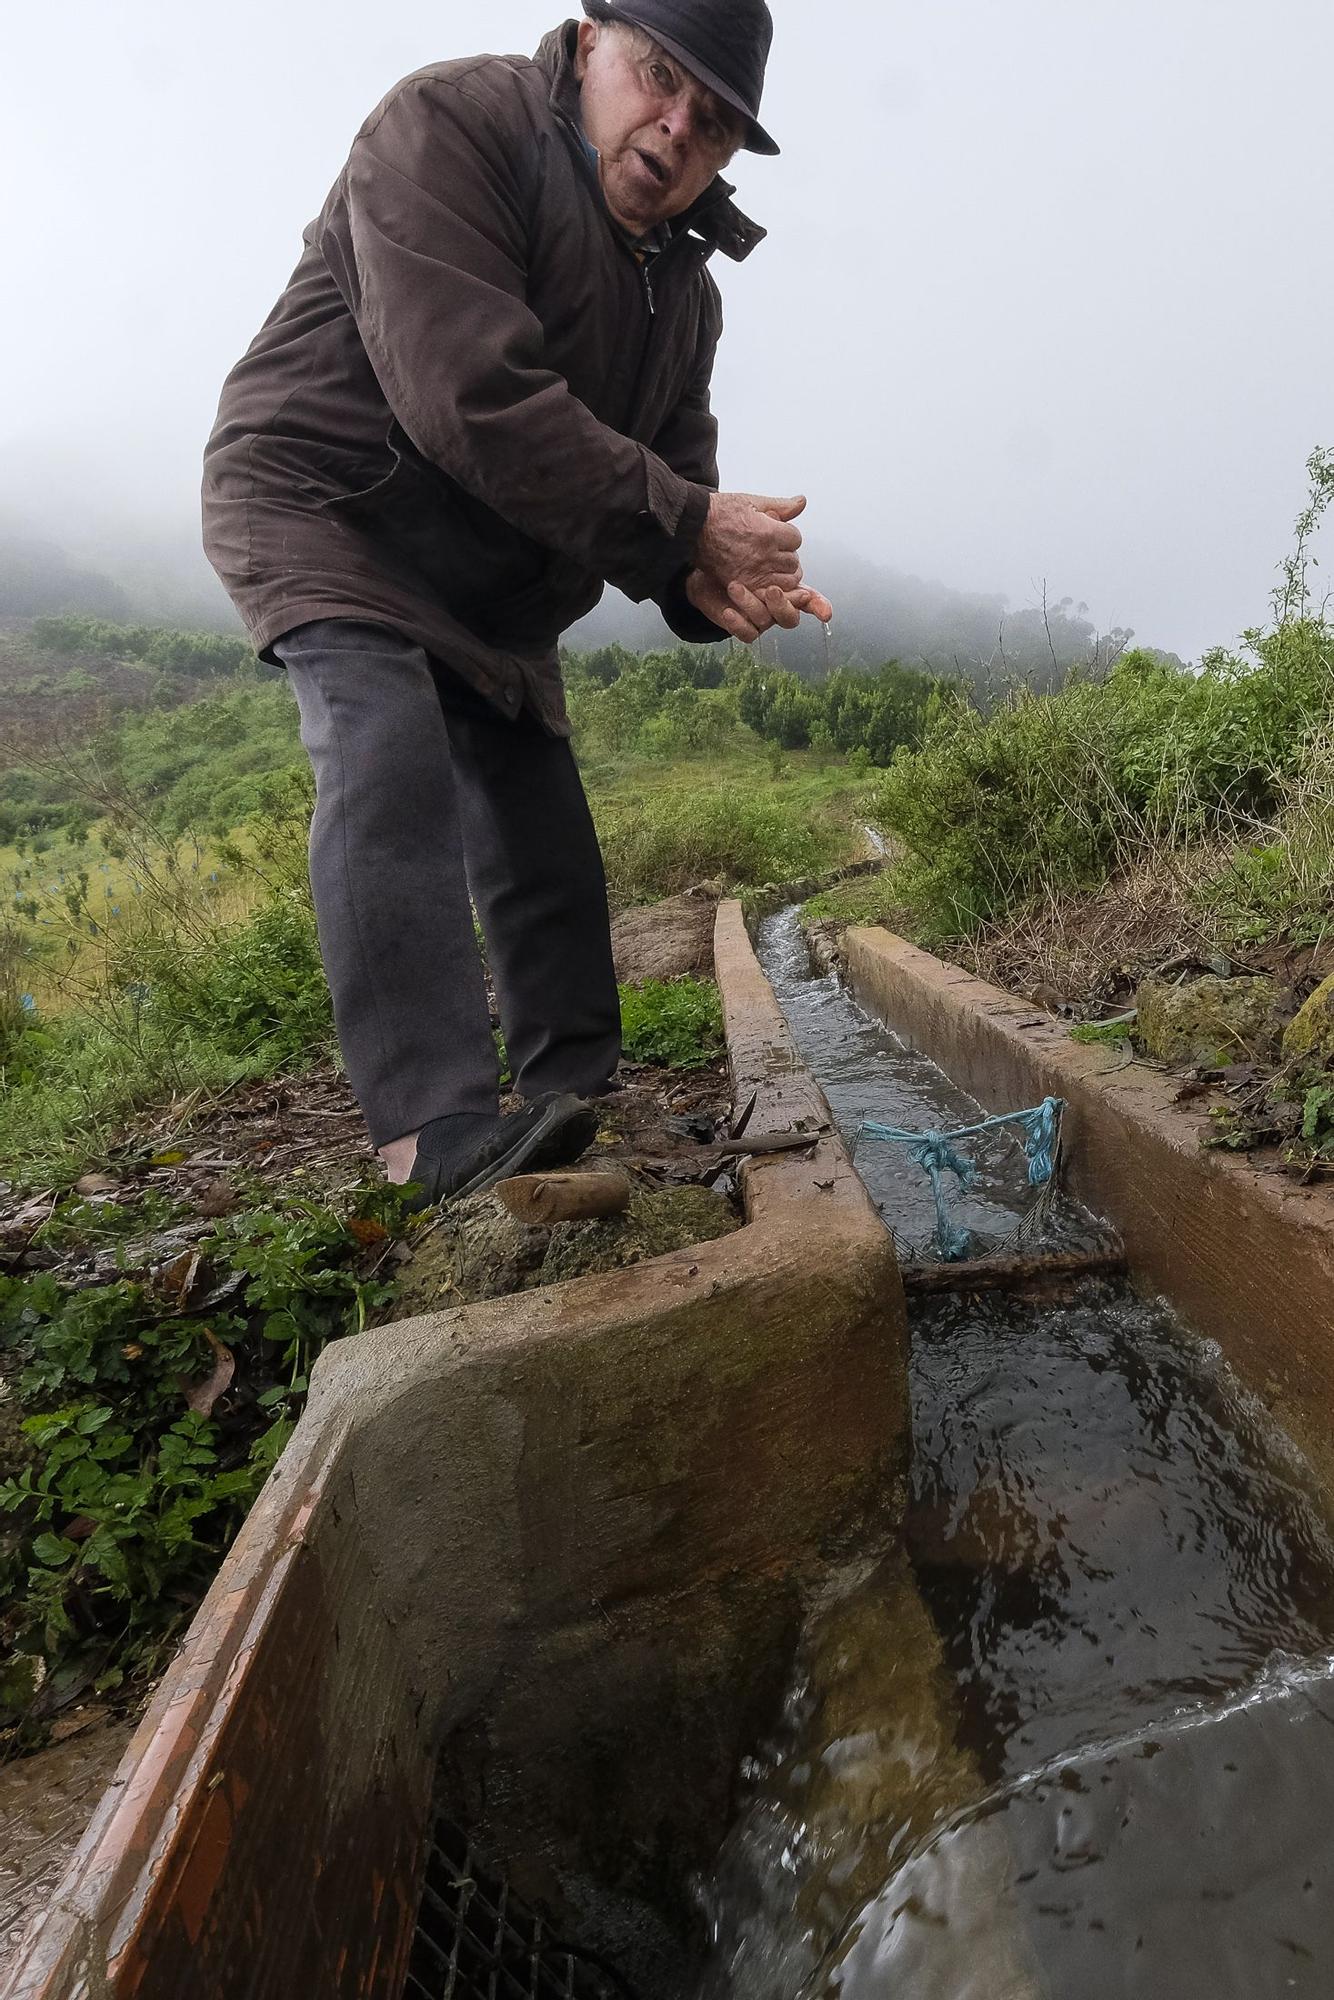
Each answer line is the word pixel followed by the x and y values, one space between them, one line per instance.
pixel 471 405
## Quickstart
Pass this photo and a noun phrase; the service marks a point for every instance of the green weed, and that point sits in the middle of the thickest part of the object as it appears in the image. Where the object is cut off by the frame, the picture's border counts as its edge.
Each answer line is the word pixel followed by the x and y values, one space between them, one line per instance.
pixel 1101 1034
pixel 677 1023
pixel 660 841
pixel 151 1424
pixel 864 899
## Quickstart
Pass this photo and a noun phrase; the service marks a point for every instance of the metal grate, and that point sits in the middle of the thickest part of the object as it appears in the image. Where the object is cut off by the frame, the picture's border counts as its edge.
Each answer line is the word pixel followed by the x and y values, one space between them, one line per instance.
pixel 476 1941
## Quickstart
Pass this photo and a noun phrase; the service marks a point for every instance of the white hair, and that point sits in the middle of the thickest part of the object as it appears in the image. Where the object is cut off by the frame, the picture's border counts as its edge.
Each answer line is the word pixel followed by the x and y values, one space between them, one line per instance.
pixel 632 32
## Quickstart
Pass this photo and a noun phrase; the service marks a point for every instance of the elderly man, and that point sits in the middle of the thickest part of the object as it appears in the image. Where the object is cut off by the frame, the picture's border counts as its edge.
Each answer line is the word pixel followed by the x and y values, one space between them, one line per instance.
pixel 483 395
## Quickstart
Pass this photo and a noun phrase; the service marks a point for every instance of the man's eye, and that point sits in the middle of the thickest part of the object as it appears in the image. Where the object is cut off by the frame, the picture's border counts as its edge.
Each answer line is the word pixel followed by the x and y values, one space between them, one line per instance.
pixel 662 76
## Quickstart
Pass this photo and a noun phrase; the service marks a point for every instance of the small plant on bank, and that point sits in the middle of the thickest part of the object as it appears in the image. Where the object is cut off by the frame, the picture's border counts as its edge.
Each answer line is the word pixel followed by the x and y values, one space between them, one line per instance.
pixel 154 1409
pixel 738 828
pixel 864 899
pixel 1101 1034
pixel 675 1023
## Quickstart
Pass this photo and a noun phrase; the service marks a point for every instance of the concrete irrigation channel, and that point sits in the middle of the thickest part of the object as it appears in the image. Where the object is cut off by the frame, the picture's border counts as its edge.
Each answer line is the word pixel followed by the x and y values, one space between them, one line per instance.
pixel 694 1630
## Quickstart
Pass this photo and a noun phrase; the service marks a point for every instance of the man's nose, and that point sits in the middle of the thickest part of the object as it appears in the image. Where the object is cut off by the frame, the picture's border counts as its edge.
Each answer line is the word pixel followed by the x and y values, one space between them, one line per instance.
pixel 676 121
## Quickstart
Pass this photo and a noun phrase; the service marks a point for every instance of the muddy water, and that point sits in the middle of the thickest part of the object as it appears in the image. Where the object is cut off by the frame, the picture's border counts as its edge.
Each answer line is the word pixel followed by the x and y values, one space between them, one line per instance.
pixel 46 1802
pixel 1080 1742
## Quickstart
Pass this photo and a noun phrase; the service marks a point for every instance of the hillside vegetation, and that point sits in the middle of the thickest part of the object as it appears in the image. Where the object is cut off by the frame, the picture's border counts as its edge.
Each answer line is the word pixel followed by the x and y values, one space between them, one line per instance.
pixel 1221 777
pixel 156 934
pixel 158 955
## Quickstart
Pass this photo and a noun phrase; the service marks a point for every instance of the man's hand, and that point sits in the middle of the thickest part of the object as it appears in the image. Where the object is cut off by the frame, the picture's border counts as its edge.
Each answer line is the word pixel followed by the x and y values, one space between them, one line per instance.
pixel 745 614
pixel 750 540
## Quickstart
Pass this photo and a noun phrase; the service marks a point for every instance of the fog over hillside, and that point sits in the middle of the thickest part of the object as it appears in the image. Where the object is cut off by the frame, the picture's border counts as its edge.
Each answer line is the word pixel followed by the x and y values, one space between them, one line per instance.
pixel 881 613
pixel 1044 293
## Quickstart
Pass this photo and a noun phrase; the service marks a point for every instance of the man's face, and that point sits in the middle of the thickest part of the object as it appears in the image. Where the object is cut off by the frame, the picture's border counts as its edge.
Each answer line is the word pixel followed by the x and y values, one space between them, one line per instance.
pixel 660 135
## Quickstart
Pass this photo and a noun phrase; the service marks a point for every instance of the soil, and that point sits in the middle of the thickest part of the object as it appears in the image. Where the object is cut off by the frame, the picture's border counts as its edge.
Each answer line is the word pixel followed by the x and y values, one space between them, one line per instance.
pixel 305 1134
pixel 665 940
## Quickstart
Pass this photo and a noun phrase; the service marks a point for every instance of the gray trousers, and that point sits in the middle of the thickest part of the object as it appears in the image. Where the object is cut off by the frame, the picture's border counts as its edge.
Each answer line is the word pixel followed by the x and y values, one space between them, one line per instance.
pixel 429 801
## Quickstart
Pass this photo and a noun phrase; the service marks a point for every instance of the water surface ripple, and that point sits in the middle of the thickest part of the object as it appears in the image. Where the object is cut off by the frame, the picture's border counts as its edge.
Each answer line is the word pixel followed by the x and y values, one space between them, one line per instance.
pixel 1069 1747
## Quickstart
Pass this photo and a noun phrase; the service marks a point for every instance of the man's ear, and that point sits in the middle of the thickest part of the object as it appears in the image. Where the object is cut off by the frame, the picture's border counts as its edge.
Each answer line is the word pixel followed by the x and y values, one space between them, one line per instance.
pixel 588 41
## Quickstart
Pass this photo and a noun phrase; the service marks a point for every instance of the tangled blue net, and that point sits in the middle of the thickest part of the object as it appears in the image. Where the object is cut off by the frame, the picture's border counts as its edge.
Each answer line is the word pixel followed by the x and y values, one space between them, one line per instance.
pixel 1041 1132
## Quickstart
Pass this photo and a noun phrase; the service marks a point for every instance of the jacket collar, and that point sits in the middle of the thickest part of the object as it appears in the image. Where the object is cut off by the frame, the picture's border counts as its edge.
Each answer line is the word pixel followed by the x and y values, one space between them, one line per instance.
pixel 715 218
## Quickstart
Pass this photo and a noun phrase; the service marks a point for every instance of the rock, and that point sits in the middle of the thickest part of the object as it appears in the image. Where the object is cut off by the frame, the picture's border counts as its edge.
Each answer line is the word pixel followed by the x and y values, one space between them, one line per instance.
pixel 824 942
pixel 475 1250
pixel 664 940
pixel 1209 1022
pixel 659 1221
pixel 1311 1030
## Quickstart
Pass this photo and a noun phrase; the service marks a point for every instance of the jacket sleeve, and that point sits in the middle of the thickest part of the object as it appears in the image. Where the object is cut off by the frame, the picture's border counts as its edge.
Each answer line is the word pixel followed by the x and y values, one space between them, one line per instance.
pixel 688 443
pixel 426 237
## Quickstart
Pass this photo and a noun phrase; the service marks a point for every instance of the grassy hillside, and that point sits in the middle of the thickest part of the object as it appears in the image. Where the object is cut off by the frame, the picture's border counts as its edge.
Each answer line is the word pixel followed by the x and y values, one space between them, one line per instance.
pixel 156 935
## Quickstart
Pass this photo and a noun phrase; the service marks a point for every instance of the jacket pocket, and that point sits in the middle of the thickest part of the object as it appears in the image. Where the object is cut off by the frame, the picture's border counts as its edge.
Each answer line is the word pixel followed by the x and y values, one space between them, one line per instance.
pixel 376 496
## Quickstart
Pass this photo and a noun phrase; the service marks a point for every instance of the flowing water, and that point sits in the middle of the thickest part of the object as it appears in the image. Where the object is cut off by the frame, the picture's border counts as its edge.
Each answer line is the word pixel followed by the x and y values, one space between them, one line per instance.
pixel 1080 1742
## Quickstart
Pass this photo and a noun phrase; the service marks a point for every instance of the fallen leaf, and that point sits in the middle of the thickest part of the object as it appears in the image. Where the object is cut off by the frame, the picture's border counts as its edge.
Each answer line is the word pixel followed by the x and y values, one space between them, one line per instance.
pixel 180 1279
pixel 74 1725
pixel 33 1212
pixel 366 1231
pixel 216 1198
pixel 96 1184
pixel 202 1397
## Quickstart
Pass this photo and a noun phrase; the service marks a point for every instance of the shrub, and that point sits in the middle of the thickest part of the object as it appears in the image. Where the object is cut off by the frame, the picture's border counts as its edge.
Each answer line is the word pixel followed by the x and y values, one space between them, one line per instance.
pixel 676 1023
pixel 660 844
pixel 664 705
pixel 259 990
pixel 1051 793
pixel 1279 881
pixel 197 654
pixel 874 714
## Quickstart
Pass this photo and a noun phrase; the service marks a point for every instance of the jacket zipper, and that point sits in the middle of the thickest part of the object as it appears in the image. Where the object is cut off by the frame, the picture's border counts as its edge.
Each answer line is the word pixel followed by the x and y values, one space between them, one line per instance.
pixel 674 248
pixel 676 244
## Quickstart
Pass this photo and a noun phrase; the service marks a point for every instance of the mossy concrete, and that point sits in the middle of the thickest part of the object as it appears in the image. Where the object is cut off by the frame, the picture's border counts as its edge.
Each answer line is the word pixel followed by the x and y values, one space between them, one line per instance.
pixel 1311 1030
pixel 1208 1022
pixel 475 1250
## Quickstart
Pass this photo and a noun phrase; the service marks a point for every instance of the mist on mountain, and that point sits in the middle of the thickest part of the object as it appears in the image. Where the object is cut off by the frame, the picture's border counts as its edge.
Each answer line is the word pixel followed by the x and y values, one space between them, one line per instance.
pixel 159 575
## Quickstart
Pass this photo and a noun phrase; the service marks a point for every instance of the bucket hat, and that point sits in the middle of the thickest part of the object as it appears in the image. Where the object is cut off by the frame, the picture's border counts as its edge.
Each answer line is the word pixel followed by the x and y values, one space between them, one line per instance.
pixel 724 43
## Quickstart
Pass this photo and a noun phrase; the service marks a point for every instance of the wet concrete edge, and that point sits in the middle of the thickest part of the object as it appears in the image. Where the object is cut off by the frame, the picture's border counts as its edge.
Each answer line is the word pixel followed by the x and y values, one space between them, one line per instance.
pixel 252 1839
pixel 1245 1255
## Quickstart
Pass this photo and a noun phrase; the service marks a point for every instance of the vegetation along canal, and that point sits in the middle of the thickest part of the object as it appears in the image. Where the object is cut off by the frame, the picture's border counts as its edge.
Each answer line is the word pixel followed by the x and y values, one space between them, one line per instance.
pixel 1080 1743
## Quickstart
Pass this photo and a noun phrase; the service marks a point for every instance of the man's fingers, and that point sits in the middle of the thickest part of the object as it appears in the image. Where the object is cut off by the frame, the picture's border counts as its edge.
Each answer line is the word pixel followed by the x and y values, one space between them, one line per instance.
pixel 779 510
pixel 811 601
pixel 783 608
pixel 750 606
pixel 785 538
pixel 780 559
pixel 738 625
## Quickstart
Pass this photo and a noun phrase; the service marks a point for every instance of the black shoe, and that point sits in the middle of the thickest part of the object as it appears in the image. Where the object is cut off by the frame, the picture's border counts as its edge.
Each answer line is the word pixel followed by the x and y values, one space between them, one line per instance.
pixel 460 1156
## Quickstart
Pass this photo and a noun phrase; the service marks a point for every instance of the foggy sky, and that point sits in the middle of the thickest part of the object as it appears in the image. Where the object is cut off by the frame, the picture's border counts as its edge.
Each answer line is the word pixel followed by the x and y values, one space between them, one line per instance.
pixel 1048 289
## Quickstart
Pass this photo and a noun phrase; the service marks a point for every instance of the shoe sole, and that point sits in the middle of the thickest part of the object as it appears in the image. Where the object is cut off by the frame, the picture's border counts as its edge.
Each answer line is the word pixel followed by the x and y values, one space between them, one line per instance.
pixel 565 1131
